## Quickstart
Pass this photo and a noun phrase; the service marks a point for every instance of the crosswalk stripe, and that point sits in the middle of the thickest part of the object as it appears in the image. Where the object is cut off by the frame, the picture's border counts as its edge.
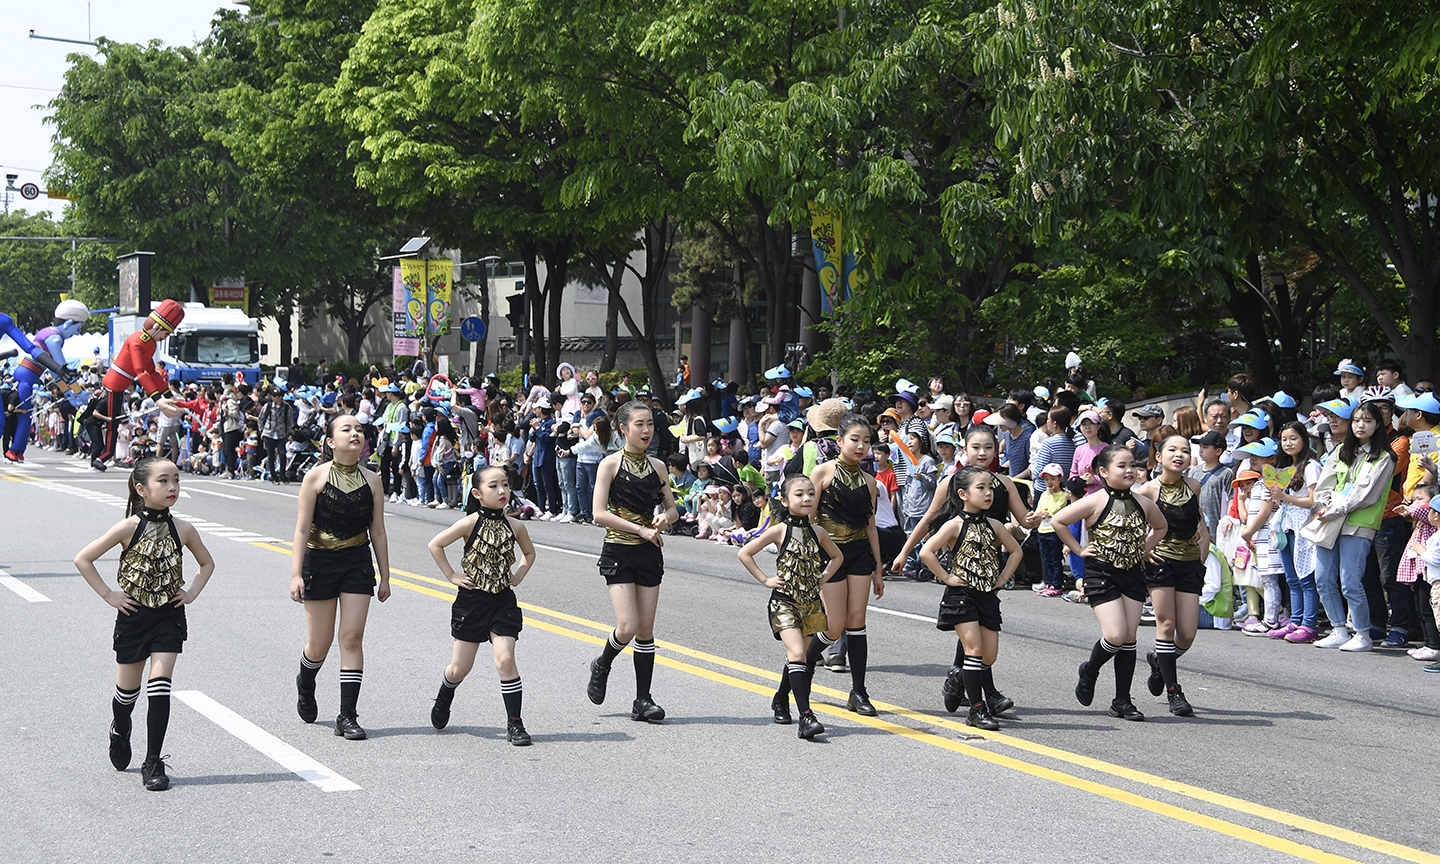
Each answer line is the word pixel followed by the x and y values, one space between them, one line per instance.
pixel 287 757
pixel 22 589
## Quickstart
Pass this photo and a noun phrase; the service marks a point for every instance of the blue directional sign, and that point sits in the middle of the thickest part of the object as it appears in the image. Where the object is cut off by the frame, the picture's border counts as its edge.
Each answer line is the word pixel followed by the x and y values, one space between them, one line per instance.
pixel 472 329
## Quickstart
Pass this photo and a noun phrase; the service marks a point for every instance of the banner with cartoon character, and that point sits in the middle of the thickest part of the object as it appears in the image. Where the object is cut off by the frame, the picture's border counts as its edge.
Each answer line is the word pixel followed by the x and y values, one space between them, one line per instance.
pixel 407 344
pixel 843 264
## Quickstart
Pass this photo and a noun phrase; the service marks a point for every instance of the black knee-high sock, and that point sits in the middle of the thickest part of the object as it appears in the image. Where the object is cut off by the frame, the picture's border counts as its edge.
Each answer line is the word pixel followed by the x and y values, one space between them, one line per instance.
pixel 510 691
pixel 973 673
pixel 959 654
pixel 447 690
pixel 989 680
pixel 1124 670
pixel 350 680
pixel 798 674
pixel 817 647
pixel 859 655
pixel 121 706
pixel 1165 657
pixel 1100 655
pixel 157 716
pixel 308 670
pixel 612 649
pixel 783 691
pixel 644 667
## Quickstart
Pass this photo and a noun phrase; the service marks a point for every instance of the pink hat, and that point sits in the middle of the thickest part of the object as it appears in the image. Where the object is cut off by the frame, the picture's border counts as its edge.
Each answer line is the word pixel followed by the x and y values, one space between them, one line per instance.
pixel 1052 469
pixel 1092 416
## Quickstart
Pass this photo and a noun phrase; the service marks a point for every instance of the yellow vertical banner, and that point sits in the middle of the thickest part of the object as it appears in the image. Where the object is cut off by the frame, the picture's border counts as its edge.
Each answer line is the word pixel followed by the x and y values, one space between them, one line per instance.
pixel 437 293
pixel 826 239
pixel 412 285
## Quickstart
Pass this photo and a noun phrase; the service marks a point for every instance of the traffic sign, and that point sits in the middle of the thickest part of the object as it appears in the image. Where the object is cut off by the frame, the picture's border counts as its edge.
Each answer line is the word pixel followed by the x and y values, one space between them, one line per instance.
pixel 29 191
pixel 472 329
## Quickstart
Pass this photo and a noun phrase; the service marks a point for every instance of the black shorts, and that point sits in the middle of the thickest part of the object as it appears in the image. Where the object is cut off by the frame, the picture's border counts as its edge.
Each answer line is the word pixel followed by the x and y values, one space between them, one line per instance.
pixel 328 573
pixel 859 560
pixel 148 631
pixel 1105 582
pixel 1186 577
pixel 475 615
pixel 962 604
pixel 643 564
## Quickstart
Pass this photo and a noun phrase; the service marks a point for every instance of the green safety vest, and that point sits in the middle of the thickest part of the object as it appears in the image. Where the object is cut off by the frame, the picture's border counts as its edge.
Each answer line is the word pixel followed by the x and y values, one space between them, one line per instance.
pixel 1371 516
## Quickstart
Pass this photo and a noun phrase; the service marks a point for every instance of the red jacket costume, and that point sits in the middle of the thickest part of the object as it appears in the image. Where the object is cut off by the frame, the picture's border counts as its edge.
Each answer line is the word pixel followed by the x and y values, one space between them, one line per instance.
pixel 135 361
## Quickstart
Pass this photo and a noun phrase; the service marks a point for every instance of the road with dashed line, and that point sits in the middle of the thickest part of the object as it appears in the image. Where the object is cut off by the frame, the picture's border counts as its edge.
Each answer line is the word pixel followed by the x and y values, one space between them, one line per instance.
pixel 1294 754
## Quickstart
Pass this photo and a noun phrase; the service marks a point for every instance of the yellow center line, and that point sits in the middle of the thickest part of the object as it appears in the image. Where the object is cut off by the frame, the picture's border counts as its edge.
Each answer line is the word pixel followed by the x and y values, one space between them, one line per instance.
pixel 1201 820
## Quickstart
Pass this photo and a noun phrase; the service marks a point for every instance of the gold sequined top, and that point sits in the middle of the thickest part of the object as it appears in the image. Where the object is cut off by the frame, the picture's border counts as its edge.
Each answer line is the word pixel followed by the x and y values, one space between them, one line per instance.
pixel 1119 533
pixel 151 566
pixel 1181 508
pixel 634 494
pixel 344 509
pixel 800 563
pixel 846 506
pixel 490 552
pixel 975 557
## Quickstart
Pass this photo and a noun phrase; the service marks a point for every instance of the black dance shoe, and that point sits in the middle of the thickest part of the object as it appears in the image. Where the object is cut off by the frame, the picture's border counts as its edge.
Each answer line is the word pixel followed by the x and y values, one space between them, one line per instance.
pixel 1179 705
pixel 1156 681
pixel 952 690
pixel 646 709
pixel 152 774
pixel 305 704
pixel 998 704
pixel 979 717
pixel 119 749
pixel 809 726
pixel 515 733
pixel 781 706
pixel 859 702
pixel 440 715
pixel 348 727
pixel 1125 710
pixel 1085 687
pixel 599 677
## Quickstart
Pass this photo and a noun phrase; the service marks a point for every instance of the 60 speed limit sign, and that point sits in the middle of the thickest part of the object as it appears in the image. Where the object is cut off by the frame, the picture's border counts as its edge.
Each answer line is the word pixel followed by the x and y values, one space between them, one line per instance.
pixel 29 191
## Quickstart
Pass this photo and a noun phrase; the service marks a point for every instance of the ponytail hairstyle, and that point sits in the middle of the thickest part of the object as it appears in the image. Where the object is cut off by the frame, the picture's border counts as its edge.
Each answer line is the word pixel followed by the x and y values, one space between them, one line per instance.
pixel 1106 456
pixel 790 483
pixel 325 451
pixel 472 501
pixel 139 476
pixel 961 479
pixel 628 410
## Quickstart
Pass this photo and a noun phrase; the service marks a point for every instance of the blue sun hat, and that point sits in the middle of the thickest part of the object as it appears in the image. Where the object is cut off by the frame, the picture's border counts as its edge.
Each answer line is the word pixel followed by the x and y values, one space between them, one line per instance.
pixel 1263 447
pixel 1342 408
pixel 1283 399
pixel 776 373
pixel 797 423
pixel 719 384
pixel 806 392
pixel 689 396
pixel 1426 402
pixel 1253 419
pixel 727 425
pixel 389 388
pixel 1348 365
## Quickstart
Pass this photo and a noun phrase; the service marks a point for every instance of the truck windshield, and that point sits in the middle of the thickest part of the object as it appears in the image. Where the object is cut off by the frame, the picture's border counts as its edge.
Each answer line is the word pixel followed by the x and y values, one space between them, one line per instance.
pixel 236 349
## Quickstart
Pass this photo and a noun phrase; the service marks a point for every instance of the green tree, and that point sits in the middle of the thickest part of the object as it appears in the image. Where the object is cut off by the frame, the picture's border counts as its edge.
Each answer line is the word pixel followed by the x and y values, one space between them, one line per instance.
pixel 32 275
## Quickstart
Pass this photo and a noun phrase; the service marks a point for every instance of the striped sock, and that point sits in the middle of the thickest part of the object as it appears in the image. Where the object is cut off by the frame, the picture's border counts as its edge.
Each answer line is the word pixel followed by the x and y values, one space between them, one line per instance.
pixel 350 681
pixel 859 656
pixel 798 675
pixel 447 690
pixel 1165 657
pixel 972 672
pixel 612 649
pixel 817 647
pixel 121 707
pixel 157 715
pixel 308 670
pixel 1100 655
pixel 511 692
pixel 644 667
pixel 1124 671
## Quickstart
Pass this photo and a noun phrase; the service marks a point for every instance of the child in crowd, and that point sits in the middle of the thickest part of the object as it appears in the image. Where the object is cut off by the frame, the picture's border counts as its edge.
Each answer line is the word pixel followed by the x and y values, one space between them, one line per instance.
pixel 1352 379
pixel 1050 502
pixel 1074 491
pixel 1265 562
pixel 1412 571
pixel 924 475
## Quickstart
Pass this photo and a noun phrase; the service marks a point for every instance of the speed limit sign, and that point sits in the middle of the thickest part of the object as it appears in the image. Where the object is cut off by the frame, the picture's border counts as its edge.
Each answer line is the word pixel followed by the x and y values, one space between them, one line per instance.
pixel 29 191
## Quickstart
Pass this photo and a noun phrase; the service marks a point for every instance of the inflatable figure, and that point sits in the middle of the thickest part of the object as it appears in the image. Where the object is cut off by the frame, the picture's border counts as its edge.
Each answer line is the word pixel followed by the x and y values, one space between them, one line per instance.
pixel 70 317
pixel 134 364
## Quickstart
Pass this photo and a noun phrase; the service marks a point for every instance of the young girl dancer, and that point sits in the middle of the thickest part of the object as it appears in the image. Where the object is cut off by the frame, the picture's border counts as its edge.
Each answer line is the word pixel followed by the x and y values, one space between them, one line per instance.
pixel 1114 584
pixel 847 513
pixel 485 609
pixel 151 598
pixel 342 512
pixel 1175 571
pixel 796 613
pixel 628 489
pixel 970 605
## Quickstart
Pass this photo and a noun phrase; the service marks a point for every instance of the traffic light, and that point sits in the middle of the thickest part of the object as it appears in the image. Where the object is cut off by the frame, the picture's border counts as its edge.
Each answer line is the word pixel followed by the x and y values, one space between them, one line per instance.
pixel 516 315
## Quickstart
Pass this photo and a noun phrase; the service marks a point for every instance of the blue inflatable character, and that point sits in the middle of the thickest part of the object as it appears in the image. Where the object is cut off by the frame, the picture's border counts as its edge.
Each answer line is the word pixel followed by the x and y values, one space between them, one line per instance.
pixel 46 351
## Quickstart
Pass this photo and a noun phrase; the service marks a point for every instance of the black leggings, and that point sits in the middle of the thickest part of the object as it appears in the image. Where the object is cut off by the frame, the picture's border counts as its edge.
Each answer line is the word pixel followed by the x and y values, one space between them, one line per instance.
pixel 229 442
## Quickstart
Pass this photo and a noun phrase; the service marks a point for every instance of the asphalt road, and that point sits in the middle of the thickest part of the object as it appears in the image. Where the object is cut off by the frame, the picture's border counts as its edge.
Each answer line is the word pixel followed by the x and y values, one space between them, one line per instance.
pixel 1294 752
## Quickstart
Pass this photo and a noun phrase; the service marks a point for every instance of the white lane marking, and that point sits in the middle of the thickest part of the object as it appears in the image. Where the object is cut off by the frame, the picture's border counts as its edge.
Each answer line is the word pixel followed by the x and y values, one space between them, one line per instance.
pixel 22 589
pixel 257 539
pixel 929 618
pixel 254 488
pixel 287 757
pixel 72 469
pixel 590 555
pixel 218 494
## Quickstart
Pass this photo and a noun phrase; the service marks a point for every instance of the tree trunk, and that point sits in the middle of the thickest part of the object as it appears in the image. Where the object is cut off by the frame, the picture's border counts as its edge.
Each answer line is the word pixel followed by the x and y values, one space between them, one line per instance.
pixel 557 270
pixel 740 351
pixel 1249 311
pixel 612 316
pixel 534 305
pixel 658 240
pixel 809 298
pixel 699 344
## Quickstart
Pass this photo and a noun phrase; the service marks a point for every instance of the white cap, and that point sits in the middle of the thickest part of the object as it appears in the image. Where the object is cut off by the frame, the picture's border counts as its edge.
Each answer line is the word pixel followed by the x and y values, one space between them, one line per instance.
pixel 73 310
pixel 1072 360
